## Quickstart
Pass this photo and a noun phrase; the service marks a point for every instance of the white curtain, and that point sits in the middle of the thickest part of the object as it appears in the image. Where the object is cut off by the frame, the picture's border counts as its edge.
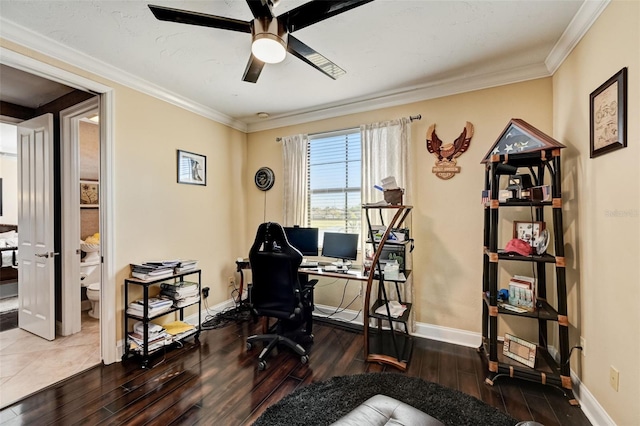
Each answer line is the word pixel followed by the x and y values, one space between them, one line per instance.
pixel 385 152
pixel 295 169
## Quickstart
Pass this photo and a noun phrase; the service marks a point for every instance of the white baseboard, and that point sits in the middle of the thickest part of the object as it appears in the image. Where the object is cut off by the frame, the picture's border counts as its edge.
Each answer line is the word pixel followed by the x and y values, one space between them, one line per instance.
pixel 448 335
pixel 589 405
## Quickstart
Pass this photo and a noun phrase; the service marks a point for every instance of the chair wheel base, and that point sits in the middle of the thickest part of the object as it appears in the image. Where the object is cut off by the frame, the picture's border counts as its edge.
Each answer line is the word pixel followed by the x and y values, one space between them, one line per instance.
pixel 262 365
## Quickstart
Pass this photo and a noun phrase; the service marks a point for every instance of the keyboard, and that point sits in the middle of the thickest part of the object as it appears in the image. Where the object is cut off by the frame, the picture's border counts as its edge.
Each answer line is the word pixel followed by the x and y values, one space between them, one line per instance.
pixel 309 264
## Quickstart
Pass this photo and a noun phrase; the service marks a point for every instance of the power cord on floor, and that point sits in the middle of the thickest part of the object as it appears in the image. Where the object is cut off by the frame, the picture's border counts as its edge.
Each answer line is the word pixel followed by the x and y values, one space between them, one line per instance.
pixel 235 314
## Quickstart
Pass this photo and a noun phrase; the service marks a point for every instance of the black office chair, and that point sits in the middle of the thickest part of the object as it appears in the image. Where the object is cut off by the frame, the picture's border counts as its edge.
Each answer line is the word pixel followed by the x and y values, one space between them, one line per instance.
pixel 276 293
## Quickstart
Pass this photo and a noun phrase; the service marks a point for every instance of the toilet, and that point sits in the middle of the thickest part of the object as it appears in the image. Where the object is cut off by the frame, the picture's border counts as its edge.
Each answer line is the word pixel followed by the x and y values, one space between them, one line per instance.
pixel 93 294
pixel 90 279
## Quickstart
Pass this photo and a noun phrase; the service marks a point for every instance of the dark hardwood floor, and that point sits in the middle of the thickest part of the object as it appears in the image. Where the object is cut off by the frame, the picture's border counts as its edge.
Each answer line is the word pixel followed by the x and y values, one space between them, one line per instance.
pixel 217 382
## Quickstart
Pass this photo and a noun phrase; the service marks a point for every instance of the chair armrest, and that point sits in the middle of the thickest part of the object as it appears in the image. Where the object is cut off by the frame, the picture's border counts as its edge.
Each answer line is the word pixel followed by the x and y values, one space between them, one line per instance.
pixel 311 283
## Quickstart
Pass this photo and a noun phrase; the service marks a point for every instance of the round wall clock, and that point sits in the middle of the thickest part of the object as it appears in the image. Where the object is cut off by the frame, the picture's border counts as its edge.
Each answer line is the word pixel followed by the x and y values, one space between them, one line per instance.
pixel 264 178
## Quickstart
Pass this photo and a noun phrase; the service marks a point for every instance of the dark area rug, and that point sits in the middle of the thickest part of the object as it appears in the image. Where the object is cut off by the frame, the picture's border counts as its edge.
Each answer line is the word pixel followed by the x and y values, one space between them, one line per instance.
pixel 325 402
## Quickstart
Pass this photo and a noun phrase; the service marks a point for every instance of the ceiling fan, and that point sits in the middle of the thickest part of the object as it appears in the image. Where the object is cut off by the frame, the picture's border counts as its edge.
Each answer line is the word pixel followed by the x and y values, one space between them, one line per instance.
pixel 271 35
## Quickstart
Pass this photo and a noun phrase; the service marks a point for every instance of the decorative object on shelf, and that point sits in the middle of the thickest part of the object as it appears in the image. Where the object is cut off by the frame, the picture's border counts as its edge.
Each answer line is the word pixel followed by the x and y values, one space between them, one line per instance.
pixel 528 231
pixel 608 115
pixel 518 246
pixel 543 242
pixel 446 155
pixel 520 350
pixel 518 184
pixel 89 193
pixel 264 178
pixel 519 137
pixel 192 168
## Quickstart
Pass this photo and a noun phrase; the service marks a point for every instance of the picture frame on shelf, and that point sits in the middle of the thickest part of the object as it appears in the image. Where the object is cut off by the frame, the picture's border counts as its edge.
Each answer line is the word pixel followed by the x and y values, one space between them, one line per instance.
pixel 519 350
pixel 530 232
pixel 89 194
pixel 608 115
pixel 192 168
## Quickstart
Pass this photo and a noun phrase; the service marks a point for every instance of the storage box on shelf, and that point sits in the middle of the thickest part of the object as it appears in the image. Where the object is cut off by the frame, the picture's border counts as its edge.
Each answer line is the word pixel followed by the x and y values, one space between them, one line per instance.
pixel 538 155
pixel 144 343
pixel 385 343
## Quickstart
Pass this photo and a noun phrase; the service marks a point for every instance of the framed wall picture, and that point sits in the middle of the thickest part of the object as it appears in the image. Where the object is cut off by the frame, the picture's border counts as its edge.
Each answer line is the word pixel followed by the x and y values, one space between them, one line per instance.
pixel 192 168
pixel 89 193
pixel 528 231
pixel 520 350
pixel 608 115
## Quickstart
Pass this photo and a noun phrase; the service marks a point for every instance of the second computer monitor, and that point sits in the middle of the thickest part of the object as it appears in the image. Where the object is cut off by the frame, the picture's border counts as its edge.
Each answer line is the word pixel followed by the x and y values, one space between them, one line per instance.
pixel 304 239
pixel 340 245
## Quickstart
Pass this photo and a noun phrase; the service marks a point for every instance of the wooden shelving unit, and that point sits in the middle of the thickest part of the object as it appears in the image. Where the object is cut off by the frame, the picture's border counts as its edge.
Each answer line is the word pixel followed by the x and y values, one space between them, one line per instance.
pixel 385 343
pixel 545 158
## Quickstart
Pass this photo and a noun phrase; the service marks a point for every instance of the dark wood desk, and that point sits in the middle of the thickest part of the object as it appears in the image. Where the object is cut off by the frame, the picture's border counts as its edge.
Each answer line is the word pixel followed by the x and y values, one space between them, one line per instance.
pixel 355 273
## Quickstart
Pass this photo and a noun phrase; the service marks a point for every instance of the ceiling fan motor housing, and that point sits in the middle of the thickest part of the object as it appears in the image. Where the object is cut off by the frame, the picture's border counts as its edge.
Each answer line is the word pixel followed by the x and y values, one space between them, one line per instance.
pixel 269 40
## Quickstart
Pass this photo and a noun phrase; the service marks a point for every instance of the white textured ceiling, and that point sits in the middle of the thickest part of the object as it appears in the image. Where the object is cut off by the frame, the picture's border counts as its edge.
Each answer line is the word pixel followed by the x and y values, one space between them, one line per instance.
pixel 389 48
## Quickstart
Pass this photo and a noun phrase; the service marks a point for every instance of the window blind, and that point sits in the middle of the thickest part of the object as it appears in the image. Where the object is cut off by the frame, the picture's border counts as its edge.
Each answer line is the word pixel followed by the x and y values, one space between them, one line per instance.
pixel 334 176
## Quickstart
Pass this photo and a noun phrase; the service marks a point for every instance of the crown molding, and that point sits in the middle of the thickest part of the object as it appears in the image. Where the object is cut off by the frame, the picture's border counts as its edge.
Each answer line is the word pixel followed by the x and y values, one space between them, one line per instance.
pixel 39 43
pixel 580 24
pixel 577 28
pixel 436 89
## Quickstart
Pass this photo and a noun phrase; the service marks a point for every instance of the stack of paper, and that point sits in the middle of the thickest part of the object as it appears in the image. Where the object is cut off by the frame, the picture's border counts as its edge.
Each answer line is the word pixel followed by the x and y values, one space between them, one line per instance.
pixel 185 265
pixel 183 293
pixel 156 306
pixel 152 270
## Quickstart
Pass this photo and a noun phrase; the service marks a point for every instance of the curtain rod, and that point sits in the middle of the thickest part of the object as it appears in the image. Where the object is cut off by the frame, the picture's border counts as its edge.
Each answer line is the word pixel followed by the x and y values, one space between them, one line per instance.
pixel 411 118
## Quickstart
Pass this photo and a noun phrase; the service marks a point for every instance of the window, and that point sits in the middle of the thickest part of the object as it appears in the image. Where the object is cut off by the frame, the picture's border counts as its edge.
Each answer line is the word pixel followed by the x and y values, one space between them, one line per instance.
pixel 334 169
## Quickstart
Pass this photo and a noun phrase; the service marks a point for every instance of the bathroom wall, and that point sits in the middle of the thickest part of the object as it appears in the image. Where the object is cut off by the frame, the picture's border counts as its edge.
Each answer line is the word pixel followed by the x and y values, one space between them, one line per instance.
pixel 89 170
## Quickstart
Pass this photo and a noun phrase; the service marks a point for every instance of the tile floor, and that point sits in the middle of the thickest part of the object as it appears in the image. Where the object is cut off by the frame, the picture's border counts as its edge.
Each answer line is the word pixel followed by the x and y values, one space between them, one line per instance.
pixel 29 363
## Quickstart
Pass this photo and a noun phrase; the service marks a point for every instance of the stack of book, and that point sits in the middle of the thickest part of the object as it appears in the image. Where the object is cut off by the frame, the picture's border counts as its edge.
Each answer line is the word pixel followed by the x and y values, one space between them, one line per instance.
pixel 153 270
pixel 522 292
pixel 185 265
pixel 182 293
pixel 157 337
pixel 156 306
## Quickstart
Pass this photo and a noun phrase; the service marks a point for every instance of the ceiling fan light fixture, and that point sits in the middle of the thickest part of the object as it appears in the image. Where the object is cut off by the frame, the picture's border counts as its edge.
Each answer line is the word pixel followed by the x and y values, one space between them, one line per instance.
pixel 269 43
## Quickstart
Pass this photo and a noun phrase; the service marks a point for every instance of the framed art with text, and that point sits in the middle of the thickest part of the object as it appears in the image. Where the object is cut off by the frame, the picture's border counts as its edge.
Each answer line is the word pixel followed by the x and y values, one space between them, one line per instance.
pixel 192 168
pixel 608 115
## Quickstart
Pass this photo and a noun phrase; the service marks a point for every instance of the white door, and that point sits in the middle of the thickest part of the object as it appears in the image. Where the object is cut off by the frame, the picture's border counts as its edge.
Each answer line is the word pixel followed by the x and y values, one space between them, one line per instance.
pixel 35 227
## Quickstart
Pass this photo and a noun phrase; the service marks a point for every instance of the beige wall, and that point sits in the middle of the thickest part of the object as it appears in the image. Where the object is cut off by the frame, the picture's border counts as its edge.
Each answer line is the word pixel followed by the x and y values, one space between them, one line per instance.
pixel 155 217
pixel 448 217
pixel 602 213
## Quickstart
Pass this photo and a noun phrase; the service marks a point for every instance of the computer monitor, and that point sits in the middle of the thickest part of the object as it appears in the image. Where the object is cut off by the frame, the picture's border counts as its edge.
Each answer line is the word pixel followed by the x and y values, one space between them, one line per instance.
pixel 304 239
pixel 340 245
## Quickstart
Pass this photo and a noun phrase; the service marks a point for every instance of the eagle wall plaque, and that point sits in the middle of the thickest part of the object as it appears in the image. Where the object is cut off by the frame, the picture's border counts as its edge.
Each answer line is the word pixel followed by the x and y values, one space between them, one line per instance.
pixel 446 154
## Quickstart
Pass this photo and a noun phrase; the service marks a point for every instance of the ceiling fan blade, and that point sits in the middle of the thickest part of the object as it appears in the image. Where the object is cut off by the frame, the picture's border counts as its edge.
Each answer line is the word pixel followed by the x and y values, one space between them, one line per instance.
pixel 316 11
pixel 260 8
pixel 253 70
pixel 196 18
pixel 313 58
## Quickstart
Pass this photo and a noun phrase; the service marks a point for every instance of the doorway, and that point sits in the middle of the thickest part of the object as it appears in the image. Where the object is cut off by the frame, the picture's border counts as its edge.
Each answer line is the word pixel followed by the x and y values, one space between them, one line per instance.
pixel 71 356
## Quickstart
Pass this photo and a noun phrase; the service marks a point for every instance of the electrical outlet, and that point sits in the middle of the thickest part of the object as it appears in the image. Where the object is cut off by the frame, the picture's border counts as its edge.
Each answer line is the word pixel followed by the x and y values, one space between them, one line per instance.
pixel 232 281
pixel 583 344
pixel 614 378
